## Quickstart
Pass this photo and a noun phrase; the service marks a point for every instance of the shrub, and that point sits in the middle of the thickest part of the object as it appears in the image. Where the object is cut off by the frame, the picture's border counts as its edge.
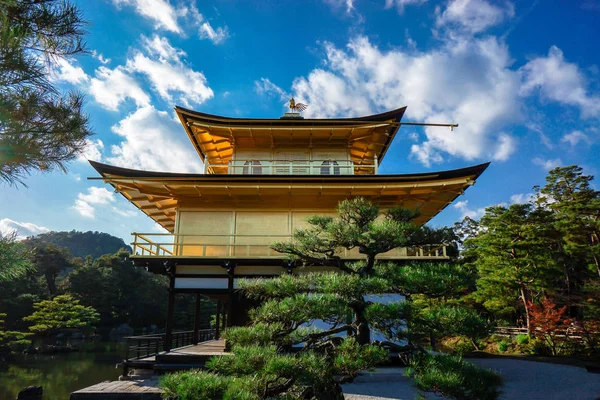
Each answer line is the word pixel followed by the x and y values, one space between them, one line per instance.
pixel 522 339
pixel 539 347
pixel 503 346
pixel 454 378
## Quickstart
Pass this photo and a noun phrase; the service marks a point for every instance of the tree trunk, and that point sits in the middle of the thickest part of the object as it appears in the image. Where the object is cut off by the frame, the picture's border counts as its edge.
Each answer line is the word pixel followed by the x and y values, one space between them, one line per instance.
pixel 524 299
pixel 51 282
pixel 363 335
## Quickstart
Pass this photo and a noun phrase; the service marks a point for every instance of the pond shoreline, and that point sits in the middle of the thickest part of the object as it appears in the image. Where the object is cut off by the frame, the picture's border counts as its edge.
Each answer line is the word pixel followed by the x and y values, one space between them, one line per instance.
pixel 59 374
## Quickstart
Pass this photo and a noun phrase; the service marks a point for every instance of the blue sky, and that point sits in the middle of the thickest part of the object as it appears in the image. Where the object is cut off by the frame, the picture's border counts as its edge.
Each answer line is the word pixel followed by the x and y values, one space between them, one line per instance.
pixel 521 78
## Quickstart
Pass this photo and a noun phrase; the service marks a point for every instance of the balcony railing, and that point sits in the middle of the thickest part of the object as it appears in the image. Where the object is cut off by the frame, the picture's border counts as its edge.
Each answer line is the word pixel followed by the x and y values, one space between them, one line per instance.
pixel 295 167
pixel 251 246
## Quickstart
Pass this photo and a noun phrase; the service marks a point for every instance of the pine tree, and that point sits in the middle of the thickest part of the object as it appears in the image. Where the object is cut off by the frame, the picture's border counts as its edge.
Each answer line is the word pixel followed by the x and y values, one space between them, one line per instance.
pixel 513 258
pixel 40 128
pixel 283 354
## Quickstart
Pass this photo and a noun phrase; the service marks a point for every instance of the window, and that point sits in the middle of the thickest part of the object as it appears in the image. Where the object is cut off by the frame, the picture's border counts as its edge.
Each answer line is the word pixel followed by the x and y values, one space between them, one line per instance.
pixel 248 170
pixel 327 170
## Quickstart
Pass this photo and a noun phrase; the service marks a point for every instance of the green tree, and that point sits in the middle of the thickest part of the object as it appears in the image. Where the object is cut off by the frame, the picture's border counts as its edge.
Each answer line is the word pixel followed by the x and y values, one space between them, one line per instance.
pixel 9 339
pixel 263 365
pixel 40 128
pixel 513 258
pixel 61 312
pixel 575 208
pixel 15 259
pixel 50 261
pixel 119 291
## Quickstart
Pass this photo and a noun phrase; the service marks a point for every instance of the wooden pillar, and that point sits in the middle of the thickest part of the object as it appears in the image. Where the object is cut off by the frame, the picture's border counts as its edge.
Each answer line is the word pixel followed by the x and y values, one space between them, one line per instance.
pixel 170 307
pixel 196 320
pixel 218 321
pixel 231 302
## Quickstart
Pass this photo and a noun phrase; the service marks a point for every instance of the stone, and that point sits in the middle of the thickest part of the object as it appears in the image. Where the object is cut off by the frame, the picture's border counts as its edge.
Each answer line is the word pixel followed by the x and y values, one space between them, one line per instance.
pixel 31 393
pixel 119 333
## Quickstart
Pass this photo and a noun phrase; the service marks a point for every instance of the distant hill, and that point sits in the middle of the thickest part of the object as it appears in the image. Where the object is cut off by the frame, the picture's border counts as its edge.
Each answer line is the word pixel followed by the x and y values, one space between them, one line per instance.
pixel 82 244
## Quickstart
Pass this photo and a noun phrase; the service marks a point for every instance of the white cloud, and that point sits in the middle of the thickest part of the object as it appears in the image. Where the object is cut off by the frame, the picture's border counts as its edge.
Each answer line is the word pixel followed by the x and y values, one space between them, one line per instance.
pixel 522 198
pixel 217 36
pixel 473 16
pixel 125 213
pixel 266 87
pixel 506 146
pixel 466 81
pixel 92 151
pixel 85 203
pixel 21 229
pixel 575 137
pixel 153 141
pixel 169 76
pixel 179 19
pixel 558 80
pixel 65 70
pixel 98 56
pixel 547 164
pixel 111 87
pixel 401 4
pixel 347 4
pixel 465 211
pixel 161 12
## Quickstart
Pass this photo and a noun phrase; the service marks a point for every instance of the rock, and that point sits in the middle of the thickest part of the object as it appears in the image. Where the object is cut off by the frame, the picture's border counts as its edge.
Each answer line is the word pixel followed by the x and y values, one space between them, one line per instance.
pixel 31 393
pixel 118 334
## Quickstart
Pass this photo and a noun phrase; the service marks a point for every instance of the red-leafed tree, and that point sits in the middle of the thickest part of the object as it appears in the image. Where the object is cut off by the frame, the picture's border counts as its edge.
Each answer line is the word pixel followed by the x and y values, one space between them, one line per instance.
pixel 550 323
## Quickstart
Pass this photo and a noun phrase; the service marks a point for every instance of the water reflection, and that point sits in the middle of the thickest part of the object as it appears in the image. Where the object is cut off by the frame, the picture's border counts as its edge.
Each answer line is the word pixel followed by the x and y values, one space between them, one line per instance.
pixel 58 374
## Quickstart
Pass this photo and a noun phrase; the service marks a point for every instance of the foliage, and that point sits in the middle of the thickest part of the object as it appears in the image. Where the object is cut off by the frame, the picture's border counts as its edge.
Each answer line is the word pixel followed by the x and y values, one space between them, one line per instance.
pixel 59 313
pixel 40 128
pixel 511 257
pixel 551 324
pixel 50 261
pixel 454 378
pixel 503 346
pixel 10 339
pixel 576 208
pixel 119 291
pixel 451 321
pixel 15 259
pixel 81 244
pixel 522 339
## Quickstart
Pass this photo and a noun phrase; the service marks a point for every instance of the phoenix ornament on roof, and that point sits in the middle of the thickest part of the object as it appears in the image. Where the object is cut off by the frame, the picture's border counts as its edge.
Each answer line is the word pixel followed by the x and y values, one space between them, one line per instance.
pixel 297 107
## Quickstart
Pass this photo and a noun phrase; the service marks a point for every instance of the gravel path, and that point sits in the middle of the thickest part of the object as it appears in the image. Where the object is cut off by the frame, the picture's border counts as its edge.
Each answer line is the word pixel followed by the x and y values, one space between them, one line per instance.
pixel 522 380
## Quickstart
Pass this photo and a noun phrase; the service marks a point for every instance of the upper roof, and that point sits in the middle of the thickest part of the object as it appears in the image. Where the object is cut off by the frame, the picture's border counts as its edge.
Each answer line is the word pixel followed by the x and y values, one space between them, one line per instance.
pixel 215 137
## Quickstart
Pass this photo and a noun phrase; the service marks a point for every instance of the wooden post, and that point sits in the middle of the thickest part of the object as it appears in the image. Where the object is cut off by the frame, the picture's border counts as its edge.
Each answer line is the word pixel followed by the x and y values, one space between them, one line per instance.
pixel 218 321
pixel 170 308
pixel 231 302
pixel 196 320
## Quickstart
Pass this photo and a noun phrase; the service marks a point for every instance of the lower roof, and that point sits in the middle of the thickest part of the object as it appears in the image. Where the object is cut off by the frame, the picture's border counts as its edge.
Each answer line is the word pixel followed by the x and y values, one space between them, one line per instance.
pixel 160 194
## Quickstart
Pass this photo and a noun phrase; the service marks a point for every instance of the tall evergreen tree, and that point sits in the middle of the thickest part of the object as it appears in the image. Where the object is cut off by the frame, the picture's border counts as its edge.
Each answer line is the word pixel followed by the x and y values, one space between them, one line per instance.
pixel 513 258
pixel 40 128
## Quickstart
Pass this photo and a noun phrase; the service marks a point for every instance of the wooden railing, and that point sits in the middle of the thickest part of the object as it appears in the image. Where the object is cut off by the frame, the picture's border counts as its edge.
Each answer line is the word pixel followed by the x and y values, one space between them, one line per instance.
pixel 249 246
pixel 145 346
pixel 292 167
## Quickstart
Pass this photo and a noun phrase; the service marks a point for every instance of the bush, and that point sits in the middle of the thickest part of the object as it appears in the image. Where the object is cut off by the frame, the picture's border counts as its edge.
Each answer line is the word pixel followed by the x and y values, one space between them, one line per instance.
pixel 522 339
pixel 503 346
pixel 457 344
pixel 539 347
pixel 454 378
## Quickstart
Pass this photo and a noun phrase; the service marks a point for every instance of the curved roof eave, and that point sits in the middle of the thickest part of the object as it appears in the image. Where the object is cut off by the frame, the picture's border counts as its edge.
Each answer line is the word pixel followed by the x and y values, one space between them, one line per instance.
pixel 387 115
pixel 116 172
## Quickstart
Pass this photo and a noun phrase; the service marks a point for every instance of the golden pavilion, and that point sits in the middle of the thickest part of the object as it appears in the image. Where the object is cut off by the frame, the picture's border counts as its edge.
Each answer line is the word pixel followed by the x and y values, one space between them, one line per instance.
pixel 262 178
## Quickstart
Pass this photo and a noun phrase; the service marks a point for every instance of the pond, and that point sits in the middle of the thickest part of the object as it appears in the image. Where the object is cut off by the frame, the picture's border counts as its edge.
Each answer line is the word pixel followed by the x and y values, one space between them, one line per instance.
pixel 59 374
